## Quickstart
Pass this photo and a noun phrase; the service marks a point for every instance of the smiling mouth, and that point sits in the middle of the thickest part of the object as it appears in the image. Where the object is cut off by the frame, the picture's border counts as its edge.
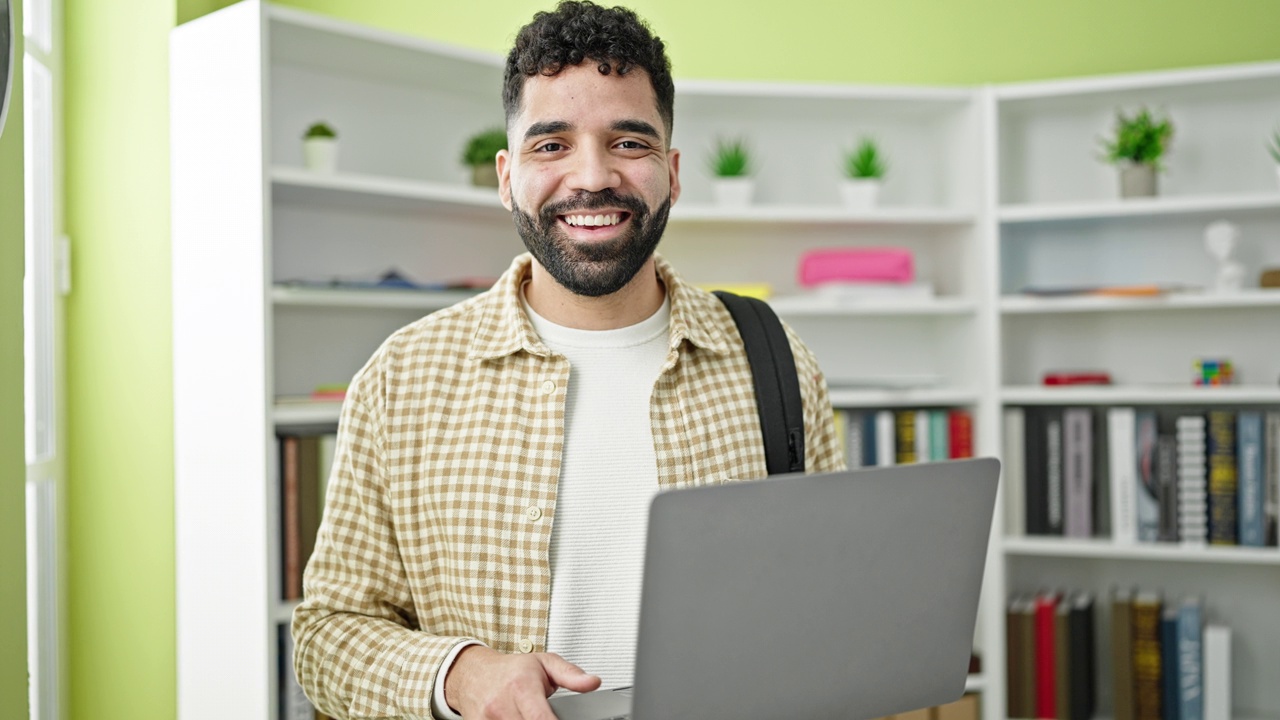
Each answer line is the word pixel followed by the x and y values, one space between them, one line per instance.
pixel 601 221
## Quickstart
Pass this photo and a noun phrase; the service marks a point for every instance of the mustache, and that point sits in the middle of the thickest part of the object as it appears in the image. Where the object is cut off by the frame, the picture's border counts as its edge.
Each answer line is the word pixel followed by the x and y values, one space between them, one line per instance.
pixel 607 198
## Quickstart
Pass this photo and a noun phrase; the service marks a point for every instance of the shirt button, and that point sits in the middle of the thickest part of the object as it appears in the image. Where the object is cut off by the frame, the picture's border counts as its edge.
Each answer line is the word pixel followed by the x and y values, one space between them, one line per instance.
pixel 548 387
pixel 534 513
pixel 526 646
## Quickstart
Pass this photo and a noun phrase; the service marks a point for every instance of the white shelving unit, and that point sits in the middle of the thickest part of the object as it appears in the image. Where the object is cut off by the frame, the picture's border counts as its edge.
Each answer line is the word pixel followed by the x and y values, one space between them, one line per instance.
pixel 993 189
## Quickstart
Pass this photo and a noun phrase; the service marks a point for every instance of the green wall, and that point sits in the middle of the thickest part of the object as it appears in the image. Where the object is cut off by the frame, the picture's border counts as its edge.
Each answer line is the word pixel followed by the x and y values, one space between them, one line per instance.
pixel 13 537
pixel 118 319
pixel 120 460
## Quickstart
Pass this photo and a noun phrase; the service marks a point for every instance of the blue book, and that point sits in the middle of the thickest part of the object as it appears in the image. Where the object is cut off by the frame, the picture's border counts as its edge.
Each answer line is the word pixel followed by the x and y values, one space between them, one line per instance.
pixel 1169 664
pixel 869 439
pixel 1249 455
pixel 1191 659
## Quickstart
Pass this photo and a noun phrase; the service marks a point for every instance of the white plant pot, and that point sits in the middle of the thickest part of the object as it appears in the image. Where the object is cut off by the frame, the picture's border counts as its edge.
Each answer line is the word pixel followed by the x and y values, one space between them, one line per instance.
pixel 733 192
pixel 321 154
pixel 860 194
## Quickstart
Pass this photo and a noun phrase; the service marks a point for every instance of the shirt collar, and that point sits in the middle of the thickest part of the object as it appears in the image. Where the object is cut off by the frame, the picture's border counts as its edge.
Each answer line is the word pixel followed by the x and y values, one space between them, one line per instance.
pixel 503 328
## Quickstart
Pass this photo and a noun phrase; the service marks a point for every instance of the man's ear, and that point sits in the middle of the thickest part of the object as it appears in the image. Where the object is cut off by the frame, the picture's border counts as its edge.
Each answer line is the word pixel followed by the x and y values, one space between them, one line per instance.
pixel 504 177
pixel 673 163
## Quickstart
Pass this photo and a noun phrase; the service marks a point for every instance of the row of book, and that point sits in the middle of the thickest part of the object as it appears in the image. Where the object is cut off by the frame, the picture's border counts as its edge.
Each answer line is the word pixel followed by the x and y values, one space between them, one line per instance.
pixel 902 436
pixel 293 702
pixel 1166 474
pixel 305 461
pixel 1166 663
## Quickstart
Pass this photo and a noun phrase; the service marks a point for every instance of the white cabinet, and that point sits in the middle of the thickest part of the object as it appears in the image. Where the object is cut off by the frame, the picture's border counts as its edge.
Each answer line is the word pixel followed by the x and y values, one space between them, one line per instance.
pixel 993 189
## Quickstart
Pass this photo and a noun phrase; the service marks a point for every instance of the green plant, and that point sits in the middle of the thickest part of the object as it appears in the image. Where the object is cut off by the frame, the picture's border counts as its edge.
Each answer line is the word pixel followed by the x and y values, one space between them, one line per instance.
pixel 730 159
pixel 1274 147
pixel 320 130
pixel 865 161
pixel 483 146
pixel 1142 139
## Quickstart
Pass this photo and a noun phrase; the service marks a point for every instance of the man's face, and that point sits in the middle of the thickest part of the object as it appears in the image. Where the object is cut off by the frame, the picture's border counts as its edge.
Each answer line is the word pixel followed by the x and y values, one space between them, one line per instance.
pixel 588 177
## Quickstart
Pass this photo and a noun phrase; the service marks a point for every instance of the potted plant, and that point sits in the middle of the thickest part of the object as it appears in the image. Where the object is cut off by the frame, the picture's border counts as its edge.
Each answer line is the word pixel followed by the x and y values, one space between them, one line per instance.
pixel 864 169
pixel 480 155
pixel 731 167
pixel 320 148
pixel 1274 149
pixel 1139 143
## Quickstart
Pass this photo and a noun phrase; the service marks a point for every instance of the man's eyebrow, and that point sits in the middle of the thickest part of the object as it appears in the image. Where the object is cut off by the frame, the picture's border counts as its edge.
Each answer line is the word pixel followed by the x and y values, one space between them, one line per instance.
pixel 547 128
pixel 640 127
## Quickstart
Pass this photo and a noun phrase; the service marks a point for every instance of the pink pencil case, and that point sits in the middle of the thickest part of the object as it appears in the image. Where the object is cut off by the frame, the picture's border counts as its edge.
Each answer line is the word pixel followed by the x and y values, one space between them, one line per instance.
pixel 875 265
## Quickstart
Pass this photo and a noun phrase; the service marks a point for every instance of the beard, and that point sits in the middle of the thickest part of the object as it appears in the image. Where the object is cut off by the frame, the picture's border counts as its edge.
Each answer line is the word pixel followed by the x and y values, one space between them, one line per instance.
pixel 599 268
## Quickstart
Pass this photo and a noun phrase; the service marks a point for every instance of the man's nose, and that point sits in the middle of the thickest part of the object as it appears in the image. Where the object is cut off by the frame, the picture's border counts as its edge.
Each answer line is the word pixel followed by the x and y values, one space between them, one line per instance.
pixel 594 169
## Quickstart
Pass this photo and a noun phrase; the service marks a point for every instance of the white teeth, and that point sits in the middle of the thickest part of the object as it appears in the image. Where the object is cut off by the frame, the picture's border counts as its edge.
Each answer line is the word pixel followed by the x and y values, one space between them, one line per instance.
pixel 592 220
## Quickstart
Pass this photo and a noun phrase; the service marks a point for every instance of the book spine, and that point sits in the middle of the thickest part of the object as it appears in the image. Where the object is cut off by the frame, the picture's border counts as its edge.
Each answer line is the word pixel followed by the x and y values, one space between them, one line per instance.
pixel 1191 660
pixel 840 423
pixel 854 450
pixel 1101 476
pixel 906 436
pixel 1083 692
pixel 1167 486
pixel 291 525
pixel 871 440
pixel 1271 503
pixel 1077 424
pixel 1120 443
pixel 1250 464
pixel 1147 689
pixel 961 431
pixel 1193 488
pixel 923 439
pixel 1169 663
pixel 1015 663
pixel 1147 504
pixel 1036 496
pixel 1027 616
pixel 1062 659
pixel 1122 653
pixel 1217 672
pixel 885 450
pixel 1053 469
pixel 1014 469
pixel 1223 482
pixel 1046 657
pixel 939 435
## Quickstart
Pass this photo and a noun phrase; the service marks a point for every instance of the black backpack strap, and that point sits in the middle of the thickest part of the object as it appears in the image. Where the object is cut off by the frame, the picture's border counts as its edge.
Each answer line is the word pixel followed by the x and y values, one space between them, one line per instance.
pixel 777 388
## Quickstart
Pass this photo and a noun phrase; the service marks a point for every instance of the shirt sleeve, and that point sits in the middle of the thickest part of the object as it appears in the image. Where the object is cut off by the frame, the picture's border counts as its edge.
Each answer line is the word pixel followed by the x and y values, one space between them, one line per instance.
pixel 359 652
pixel 823 450
pixel 439 705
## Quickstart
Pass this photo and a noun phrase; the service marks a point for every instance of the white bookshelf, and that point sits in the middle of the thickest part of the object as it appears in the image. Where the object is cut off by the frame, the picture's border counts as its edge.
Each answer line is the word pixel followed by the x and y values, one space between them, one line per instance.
pixel 992 189
pixel 1104 549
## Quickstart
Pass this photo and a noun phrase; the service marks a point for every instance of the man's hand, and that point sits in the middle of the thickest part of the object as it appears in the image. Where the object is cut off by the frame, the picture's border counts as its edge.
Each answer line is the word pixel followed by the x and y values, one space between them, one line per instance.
pixel 484 684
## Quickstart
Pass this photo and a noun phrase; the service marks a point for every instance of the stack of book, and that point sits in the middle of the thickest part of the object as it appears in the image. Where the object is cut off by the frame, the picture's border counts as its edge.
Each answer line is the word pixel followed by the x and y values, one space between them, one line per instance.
pixel 1144 474
pixel 305 463
pixel 1050 655
pixel 903 436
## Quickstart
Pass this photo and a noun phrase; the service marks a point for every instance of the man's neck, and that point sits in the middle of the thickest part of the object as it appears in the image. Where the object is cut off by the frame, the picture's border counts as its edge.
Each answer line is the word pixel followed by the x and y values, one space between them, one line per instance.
pixel 636 301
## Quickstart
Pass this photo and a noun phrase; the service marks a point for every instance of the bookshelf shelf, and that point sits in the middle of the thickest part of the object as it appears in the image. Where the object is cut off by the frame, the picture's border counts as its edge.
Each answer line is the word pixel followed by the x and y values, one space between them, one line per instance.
pixel 367 298
pixel 1140 395
pixel 1102 548
pixel 818 214
pixel 1139 208
pixel 293 185
pixel 1024 305
pixel 793 306
pixel 886 398
pixel 305 411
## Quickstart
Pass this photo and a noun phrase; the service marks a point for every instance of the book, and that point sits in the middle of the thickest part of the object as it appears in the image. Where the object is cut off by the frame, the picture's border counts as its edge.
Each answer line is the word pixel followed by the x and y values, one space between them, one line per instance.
pixel 905 446
pixel 1193 488
pixel 1147 689
pixel 1083 690
pixel 1190 659
pixel 961 435
pixel 1017 664
pixel 1035 463
pixel 1062 659
pixel 1122 653
pixel 1046 671
pixel 290 521
pixel 1167 487
pixel 855 435
pixel 939 435
pixel 1101 476
pixel 923 438
pixel 885 440
pixel 1077 427
pixel 1271 481
pixel 1014 473
pixel 1223 484
pixel 1169 663
pixel 1146 498
pixel 1217 672
pixel 870 441
pixel 1250 467
pixel 328 446
pixel 1122 469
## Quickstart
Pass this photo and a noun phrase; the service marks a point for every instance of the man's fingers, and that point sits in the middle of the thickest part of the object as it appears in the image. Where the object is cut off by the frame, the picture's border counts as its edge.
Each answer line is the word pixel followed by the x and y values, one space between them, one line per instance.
pixel 565 674
pixel 533 706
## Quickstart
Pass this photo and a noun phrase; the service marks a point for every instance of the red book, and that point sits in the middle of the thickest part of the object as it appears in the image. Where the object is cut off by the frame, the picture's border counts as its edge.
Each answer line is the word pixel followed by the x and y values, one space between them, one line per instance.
pixel 1077 378
pixel 1046 658
pixel 961 427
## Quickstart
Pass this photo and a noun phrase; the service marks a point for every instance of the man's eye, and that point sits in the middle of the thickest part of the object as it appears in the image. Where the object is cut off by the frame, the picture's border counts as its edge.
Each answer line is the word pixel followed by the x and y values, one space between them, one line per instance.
pixel 550 147
pixel 632 145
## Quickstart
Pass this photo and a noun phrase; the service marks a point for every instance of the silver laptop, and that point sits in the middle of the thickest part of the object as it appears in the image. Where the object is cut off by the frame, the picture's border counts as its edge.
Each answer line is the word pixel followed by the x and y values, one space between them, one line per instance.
pixel 847 595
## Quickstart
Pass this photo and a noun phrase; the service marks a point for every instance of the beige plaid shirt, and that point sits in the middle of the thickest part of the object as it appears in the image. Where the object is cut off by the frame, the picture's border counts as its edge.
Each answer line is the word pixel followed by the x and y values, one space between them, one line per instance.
pixel 439 511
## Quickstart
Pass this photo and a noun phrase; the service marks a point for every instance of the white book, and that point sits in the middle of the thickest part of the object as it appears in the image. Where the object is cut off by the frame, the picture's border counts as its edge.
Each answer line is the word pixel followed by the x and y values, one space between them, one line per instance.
pixel 1217 672
pixel 886 450
pixel 922 436
pixel 1120 437
pixel 328 443
pixel 1015 472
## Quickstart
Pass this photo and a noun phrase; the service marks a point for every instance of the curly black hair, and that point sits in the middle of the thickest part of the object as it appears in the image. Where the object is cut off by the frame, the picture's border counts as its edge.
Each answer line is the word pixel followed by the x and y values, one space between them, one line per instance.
pixel 577 31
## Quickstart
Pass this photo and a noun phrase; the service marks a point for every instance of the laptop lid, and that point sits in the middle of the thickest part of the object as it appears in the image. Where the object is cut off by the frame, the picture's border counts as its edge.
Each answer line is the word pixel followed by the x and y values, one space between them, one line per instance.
pixel 839 595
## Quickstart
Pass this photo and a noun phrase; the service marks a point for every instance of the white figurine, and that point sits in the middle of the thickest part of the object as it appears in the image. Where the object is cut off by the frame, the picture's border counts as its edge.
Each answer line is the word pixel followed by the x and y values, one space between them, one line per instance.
pixel 1221 239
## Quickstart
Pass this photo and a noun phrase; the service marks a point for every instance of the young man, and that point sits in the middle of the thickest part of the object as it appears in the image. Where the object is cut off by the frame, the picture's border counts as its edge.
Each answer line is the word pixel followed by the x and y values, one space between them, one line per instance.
pixel 483 536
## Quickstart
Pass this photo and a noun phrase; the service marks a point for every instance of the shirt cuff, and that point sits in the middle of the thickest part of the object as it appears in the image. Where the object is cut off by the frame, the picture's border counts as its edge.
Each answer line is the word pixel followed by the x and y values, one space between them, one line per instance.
pixel 439 706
